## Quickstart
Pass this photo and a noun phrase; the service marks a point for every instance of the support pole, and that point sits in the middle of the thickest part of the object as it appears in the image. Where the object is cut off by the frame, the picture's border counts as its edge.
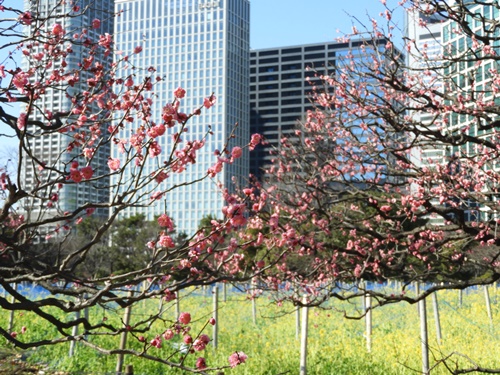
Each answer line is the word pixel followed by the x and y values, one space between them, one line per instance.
pixel 254 301
pixel 488 305
pixel 74 332
pixel 368 322
pixel 424 336
pixel 417 294
pixel 86 314
pixel 303 338
pixel 123 338
pixel 215 334
pixel 297 323
pixel 177 304
pixel 436 317
pixel 11 316
pixel 160 306
pixel 363 297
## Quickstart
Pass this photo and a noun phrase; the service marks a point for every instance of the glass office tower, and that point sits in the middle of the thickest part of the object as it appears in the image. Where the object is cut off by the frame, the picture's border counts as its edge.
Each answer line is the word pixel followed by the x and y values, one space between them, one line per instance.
pixel 428 40
pixel 281 90
pixel 202 46
pixel 52 147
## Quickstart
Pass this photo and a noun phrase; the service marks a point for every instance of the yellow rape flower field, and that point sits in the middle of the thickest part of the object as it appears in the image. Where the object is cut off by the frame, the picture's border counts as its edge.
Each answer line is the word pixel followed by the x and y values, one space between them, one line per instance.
pixel 336 345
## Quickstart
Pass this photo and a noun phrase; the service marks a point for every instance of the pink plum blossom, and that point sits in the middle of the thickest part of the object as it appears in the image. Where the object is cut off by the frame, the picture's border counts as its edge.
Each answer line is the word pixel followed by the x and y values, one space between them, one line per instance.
pixel 75 175
pixel 184 318
pixel 168 334
pixel 201 363
pixel 26 18
pixel 87 172
pixel 57 29
pixel 165 221
pixel 113 164
pixel 254 141
pixel 179 93
pixel 156 342
pixel 88 152
pixel 209 102
pixel 201 342
pixel 21 121
pixel 237 358
pixel 236 152
pixel 166 241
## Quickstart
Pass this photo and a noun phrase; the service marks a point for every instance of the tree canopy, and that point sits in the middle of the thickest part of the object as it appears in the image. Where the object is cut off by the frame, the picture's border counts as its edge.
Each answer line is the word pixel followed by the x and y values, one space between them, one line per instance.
pixel 393 175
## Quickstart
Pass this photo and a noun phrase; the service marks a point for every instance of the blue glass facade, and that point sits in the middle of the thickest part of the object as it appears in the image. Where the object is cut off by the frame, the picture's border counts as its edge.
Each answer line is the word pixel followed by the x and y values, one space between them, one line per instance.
pixel 202 46
pixel 281 91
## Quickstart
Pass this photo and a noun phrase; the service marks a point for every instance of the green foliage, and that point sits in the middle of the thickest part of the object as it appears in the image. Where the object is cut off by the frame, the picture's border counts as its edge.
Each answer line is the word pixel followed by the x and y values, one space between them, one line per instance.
pixel 128 250
pixel 123 250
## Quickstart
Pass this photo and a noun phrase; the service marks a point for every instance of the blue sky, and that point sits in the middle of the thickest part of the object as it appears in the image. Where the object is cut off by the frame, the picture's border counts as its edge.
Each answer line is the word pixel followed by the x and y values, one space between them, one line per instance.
pixel 277 23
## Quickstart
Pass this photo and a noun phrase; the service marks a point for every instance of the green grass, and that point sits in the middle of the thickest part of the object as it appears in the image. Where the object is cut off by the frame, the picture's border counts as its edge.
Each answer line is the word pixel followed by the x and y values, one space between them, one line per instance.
pixel 335 345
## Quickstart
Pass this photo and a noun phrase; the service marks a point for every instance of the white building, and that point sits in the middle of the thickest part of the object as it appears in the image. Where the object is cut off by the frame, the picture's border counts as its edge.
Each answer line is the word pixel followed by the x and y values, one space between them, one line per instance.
pixel 425 36
pixel 202 46
pixel 440 44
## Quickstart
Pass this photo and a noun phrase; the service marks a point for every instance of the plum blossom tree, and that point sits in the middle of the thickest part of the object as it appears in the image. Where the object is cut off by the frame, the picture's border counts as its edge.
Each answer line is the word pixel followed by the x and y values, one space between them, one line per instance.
pixel 41 241
pixel 394 174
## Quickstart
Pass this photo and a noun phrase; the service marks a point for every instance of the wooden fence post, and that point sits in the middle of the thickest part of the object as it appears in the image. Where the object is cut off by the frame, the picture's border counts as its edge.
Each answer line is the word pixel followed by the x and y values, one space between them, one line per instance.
pixel 129 370
pixel 460 293
pixel 215 334
pixel 303 338
pixel 123 338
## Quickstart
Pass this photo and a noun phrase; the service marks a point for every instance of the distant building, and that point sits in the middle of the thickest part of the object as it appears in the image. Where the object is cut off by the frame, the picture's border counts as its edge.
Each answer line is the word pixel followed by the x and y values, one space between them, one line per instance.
pixel 202 46
pixel 428 41
pixel 281 86
pixel 51 149
pixel 436 43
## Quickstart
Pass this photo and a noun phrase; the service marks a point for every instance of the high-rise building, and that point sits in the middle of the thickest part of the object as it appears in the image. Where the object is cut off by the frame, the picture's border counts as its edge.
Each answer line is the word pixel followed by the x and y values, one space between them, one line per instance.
pixel 427 37
pixel 49 156
pixel 282 81
pixel 456 68
pixel 202 46
pixel 469 79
